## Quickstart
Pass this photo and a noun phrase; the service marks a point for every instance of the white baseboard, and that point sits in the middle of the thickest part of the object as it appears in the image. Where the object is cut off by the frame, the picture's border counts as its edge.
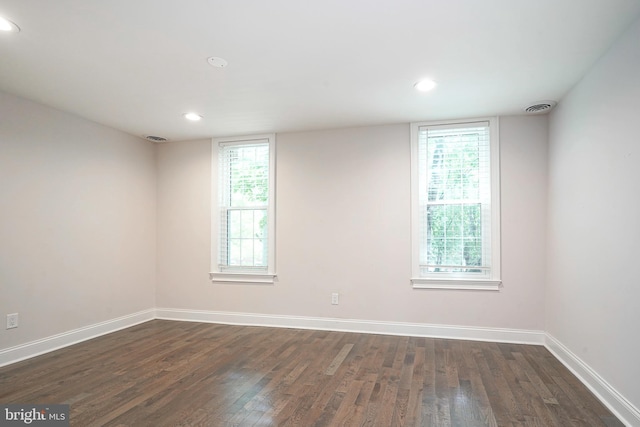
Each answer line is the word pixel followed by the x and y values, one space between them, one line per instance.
pixel 609 396
pixel 352 325
pixel 48 344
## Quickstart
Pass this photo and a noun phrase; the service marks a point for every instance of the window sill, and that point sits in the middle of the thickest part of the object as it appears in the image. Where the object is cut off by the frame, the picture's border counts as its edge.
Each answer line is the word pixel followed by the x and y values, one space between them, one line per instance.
pixel 249 278
pixel 468 284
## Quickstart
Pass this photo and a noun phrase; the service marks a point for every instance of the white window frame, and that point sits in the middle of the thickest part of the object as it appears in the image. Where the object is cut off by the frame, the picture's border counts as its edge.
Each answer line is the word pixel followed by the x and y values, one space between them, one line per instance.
pixel 242 275
pixel 457 280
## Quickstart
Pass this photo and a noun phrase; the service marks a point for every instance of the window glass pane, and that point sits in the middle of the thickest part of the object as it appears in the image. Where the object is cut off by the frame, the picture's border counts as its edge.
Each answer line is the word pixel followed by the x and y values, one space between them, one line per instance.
pixel 234 223
pixel 472 235
pixel 246 246
pixel 247 224
pixel 248 175
pixel 260 224
pixel 453 164
pixel 454 236
pixel 259 252
pixel 234 252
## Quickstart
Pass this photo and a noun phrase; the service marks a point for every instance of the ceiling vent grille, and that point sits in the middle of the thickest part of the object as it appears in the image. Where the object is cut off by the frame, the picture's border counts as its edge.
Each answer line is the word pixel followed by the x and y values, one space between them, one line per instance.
pixel 540 107
pixel 156 139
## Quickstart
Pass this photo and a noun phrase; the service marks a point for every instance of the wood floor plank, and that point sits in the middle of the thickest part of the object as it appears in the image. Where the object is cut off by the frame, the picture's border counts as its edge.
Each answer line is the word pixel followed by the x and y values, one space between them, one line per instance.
pixel 164 373
pixel 337 361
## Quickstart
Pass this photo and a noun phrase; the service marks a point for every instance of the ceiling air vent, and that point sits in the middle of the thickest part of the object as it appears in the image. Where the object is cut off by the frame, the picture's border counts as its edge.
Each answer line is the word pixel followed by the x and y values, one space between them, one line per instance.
pixel 540 107
pixel 156 138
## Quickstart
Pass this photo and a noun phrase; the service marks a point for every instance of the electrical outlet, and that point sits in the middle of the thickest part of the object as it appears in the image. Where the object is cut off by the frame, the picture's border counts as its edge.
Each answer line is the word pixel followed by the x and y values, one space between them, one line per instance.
pixel 12 320
pixel 335 298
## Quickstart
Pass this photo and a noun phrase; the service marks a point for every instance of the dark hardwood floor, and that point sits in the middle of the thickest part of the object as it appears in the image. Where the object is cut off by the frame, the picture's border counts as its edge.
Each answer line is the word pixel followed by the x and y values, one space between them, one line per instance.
pixel 164 373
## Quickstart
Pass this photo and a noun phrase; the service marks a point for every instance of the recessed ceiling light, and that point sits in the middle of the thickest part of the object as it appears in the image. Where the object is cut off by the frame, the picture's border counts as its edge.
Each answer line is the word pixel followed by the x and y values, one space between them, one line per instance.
pixel 425 85
pixel 217 62
pixel 8 26
pixel 192 116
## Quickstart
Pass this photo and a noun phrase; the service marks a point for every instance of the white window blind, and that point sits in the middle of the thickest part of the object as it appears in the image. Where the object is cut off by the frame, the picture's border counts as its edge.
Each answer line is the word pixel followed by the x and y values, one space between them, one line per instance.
pixel 455 222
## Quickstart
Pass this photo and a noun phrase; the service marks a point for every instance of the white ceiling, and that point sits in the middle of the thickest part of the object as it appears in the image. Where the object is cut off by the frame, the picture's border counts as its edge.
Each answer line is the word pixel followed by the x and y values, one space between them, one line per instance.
pixel 137 65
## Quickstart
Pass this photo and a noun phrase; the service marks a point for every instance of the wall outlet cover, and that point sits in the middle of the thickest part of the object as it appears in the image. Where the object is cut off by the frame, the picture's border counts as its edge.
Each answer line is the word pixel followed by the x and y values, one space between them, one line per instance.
pixel 12 320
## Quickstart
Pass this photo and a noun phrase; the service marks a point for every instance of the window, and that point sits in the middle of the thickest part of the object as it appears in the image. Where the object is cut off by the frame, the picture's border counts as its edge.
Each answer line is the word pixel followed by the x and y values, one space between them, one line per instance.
pixel 243 231
pixel 455 205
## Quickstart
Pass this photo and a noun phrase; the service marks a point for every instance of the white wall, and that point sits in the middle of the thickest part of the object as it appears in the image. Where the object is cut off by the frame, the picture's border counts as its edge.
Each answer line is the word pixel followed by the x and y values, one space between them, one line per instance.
pixel 77 221
pixel 593 290
pixel 343 225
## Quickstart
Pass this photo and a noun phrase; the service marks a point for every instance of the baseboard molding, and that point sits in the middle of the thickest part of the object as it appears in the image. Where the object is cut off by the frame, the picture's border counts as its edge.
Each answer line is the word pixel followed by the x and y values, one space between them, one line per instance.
pixel 609 396
pixel 353 325
pixel 45 345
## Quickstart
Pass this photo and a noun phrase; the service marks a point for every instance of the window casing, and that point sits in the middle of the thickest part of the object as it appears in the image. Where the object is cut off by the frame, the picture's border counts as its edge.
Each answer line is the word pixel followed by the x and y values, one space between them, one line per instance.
pixel 243 208
pixel 455 205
